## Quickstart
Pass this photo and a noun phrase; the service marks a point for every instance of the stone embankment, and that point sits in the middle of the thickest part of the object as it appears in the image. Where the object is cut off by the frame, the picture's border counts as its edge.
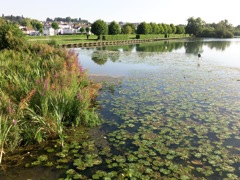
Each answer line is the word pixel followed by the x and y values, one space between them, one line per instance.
pixel 112 43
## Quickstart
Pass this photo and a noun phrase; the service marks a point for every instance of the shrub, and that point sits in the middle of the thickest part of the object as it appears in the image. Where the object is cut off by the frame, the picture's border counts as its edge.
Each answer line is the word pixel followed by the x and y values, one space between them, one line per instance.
pixel 11 37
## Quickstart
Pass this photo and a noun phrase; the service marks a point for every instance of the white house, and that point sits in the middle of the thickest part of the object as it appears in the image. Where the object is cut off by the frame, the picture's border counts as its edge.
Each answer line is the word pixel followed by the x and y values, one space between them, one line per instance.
pixel 28 31
pixel 49 31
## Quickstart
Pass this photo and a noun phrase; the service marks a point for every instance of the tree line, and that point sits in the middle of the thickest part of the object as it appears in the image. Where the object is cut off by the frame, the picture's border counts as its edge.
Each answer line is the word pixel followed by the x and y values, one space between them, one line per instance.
pixel 100 27
pixel 196 27
pixel 67 19
pixel 223 29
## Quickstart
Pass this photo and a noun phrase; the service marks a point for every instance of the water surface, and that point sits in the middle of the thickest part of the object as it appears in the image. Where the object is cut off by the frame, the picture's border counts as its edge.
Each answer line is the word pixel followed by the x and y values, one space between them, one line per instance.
pixel 174 114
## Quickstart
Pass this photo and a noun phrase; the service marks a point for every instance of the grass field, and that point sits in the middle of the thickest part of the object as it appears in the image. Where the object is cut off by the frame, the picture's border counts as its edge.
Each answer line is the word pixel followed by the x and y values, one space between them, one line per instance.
pixel 63 39
pixel 77 38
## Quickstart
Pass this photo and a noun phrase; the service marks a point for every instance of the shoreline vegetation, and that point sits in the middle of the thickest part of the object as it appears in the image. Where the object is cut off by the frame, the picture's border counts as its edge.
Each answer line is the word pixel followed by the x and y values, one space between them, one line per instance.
pixel 43 91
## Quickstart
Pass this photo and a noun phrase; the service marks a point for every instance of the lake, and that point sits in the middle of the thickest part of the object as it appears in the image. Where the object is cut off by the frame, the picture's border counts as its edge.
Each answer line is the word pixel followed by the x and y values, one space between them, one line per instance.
pixel 169 115
pixel 173 115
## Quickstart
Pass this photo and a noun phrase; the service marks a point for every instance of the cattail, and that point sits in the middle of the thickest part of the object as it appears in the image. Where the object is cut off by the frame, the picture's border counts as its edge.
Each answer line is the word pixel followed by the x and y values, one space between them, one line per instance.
pixel 23 102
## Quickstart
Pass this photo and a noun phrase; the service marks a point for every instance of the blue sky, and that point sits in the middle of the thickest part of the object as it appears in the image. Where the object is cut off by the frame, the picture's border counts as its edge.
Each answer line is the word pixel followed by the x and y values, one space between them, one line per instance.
pixel 159 11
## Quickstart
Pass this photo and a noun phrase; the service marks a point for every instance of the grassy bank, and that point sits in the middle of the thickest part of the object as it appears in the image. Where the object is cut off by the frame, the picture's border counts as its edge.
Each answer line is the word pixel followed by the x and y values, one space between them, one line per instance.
pixel 43 90
pixel 75 39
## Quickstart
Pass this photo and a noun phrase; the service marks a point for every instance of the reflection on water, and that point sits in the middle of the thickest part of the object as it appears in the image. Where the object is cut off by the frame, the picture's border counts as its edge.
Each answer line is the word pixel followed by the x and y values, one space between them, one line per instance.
pixel 221 52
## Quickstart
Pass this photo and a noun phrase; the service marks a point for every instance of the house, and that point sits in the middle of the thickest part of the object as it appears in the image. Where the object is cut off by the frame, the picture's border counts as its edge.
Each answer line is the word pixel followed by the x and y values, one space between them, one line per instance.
pixel 28 31
pixel 48 31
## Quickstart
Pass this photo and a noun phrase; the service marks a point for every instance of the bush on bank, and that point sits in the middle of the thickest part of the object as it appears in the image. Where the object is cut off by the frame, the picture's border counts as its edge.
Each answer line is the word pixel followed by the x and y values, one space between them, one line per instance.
pixel 42 90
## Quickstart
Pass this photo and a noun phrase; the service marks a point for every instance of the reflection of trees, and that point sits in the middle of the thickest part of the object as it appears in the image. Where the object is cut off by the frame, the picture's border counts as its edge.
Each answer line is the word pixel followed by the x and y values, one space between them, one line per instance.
pixel 163 46
pixel 114 56
pixel 218 45
pixel 100 57
pixel 194 47
pixel 118 48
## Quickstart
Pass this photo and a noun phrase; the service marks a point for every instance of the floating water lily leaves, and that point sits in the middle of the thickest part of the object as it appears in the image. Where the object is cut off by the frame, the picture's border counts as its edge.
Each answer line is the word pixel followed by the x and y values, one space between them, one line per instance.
pixel 161 125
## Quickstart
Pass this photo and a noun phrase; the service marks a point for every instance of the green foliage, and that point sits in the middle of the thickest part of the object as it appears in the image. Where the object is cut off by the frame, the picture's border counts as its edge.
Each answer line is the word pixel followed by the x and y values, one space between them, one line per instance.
pixel 82 29
pixel 208 32
pixel 53 43
pixel 155 28
pixel 37 25
pixel 195 26
pixel 174 29
pixel 11 37
pixel 114 28
pixel 42 91
pixel 161 30
pixel 128 28
pixel 166 28
pixel 87 29
pixel 99 27
pixel 180 29
pixel 55 25
pixel 144 28
pixel 199 28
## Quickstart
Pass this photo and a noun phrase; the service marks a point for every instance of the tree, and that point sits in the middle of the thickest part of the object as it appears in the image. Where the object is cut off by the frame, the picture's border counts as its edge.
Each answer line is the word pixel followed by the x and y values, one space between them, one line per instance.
pixel 82 29
pixel 174 29
pixel 161 30
pixel 127 29
pixel 114 28
pixel 49 19
pixel 37 25
pixel 180 29
pixel 224 29
pixel 195 26
pixel 25 22
pixel 68 19
pixel 144 28
pixel 155 28
pixel 11 37
pixel 87 30
pixel 55 25
pixel 99 28
pixel 166 29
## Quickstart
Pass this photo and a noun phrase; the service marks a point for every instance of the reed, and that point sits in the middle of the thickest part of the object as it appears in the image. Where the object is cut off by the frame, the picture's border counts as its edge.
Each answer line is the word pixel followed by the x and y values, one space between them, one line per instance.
pixel 44 89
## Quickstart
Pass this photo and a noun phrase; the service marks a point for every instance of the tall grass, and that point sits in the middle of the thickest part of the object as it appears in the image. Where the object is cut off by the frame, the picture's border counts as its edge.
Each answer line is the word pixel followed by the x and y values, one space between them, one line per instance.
pixel 42 91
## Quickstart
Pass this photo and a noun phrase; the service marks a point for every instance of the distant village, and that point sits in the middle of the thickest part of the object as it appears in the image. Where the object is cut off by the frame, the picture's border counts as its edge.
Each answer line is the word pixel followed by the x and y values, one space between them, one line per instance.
pixel 65 26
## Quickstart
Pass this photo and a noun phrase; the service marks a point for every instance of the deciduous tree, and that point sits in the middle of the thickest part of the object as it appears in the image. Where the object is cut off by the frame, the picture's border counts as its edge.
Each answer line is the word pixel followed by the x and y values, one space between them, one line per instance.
pixel 195 26
pixel 55 25
pixel 127 29
pixel 144 28
pixel 114 28
pixel 99 28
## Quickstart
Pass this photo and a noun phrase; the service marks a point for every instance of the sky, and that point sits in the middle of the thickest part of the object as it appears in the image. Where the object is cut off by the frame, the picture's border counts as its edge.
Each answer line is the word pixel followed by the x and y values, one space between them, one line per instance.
pixel 158 11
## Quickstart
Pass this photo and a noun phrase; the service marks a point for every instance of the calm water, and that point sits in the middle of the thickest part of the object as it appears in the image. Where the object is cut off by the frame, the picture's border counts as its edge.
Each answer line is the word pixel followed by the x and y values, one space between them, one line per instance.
pixel 172 115
pixel 121 60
